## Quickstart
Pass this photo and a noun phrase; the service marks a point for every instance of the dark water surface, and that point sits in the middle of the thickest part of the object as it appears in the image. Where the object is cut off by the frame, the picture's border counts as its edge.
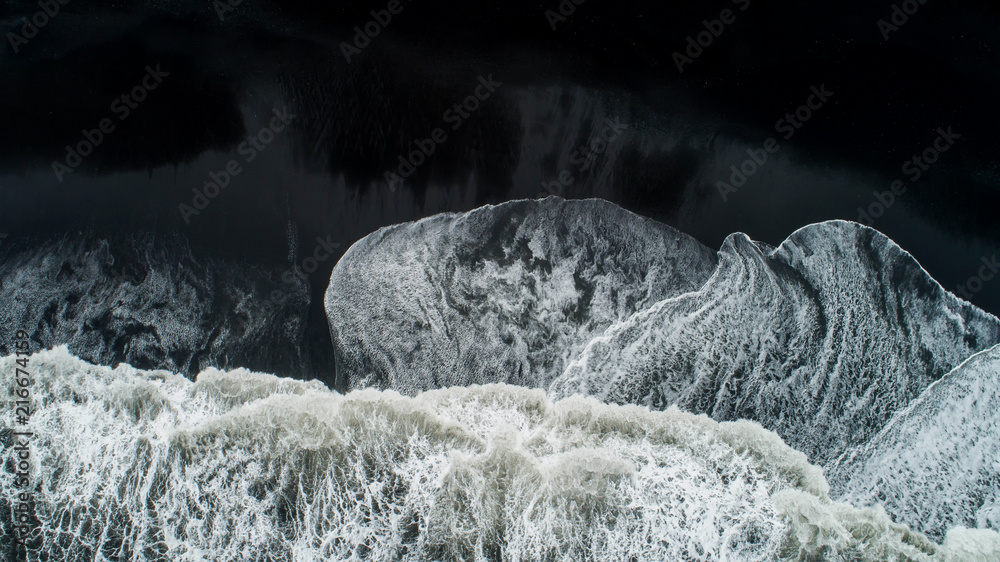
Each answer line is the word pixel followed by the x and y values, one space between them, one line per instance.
pixel 598 101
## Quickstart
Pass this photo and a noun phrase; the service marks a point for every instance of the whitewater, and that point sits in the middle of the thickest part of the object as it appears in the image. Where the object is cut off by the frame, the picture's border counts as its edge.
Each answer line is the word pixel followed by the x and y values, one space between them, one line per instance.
pixel 148 465
pixel 537 380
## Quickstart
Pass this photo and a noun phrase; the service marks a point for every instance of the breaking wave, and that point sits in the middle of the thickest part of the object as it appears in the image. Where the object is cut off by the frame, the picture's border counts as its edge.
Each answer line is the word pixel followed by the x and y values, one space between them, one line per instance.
pixel 822 339
pixel 937 463
pixel 147 465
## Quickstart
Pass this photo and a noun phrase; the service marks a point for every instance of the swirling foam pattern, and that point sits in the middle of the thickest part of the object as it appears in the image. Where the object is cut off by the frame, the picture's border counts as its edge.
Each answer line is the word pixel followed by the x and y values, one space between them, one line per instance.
pixel 936 465
pixel 149 301
pixel 823 339
pixel 508 293
pixel 140 465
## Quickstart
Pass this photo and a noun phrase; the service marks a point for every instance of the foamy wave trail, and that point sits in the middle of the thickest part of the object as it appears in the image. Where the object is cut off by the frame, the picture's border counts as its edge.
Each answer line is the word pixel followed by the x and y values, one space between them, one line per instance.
pixel 147 465
pixel 936 465
pixel 507 293
pixel 151 302
pixel 822 339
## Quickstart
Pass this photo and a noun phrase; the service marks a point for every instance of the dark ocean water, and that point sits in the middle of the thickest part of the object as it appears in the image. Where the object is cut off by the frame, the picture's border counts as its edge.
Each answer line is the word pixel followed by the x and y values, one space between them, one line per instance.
pixel 178 179
pixel 598 101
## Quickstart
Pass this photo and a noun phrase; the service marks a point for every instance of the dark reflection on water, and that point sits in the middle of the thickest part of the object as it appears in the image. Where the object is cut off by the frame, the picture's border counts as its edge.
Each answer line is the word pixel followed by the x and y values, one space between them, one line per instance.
pixel 190 111
pixel 324 174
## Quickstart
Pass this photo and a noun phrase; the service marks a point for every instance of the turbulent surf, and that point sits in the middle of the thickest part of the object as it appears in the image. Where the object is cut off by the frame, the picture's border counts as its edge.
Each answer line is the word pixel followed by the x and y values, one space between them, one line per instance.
pixel 827 339
pixel 539 380
pixel 148 465
pixel 149 301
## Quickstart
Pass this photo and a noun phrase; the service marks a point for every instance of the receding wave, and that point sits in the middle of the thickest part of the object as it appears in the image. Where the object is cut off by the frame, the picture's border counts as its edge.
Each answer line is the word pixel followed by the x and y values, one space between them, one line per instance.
pixel 822 339
pixel 147 465
pixel 937 463
pixel 150 301
pixel 501 294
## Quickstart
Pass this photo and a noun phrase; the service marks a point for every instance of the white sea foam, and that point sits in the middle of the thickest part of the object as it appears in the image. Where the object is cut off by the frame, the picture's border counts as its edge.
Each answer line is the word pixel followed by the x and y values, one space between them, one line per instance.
pixel 937 463
pixel 136 465
pixel 822 339
pixel 150 301
pixel 507 293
